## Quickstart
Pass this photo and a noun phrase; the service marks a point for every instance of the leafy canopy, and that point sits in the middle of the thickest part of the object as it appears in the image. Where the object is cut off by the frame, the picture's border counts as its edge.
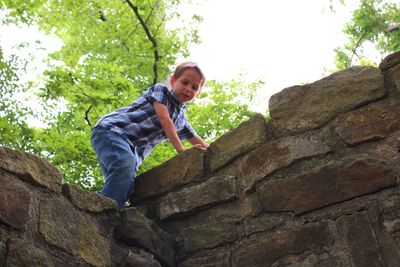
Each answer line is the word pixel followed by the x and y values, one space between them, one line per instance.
pixel 374 23
pixel 112 51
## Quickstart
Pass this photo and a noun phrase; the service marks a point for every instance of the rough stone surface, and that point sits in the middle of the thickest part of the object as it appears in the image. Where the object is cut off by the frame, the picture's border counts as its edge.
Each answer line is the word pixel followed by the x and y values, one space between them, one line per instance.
pixel 132 258
pixel 215 190
pixel 393 75
pixel 368 124
pixel 390 61
pixel 220 259
pixel 208 236
pixel 184 168
pixel 137 230
pixel 392 226
pixel 326 185
pixel 229 212
pixel 262 223
pixel 136 258
pixel 21 253
pixel 389 250
pixel 30 168
pixel 266 249
pixel 66 228
pixel 300 108
pixel 244 138
pixel 88 201
pixel 278 154
pixel 15 201
pixel 358 233
pixel 3 250
pixel 331 262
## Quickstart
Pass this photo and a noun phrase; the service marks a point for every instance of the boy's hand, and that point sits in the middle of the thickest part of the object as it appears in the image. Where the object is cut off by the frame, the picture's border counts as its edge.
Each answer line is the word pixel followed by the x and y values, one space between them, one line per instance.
pixel 199 146
pixel 196 146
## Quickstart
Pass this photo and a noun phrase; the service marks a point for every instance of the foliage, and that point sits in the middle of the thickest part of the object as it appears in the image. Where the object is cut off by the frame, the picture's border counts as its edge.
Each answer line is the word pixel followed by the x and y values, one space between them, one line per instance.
pixel 14 130
pixel 112 51
pixel 374 22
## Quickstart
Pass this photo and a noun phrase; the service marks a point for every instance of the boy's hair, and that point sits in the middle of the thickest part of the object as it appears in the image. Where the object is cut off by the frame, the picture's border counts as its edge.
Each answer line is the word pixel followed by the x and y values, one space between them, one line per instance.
pixel 189 65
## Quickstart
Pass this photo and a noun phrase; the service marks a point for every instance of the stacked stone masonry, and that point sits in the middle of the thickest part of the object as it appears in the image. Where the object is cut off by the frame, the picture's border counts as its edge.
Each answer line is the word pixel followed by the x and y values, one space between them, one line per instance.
pixel 316 185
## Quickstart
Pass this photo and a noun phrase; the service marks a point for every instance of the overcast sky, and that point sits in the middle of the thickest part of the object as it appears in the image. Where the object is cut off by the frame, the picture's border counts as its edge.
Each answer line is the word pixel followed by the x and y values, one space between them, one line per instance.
pixel 284 43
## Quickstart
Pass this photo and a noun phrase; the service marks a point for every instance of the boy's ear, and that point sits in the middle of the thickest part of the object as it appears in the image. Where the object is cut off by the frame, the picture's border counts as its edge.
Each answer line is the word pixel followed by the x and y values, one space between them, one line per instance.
pixel 171 80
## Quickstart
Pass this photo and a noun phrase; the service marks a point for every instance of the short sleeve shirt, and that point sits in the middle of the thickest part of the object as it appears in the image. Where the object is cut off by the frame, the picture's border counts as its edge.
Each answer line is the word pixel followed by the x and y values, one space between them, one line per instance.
pixel 139 125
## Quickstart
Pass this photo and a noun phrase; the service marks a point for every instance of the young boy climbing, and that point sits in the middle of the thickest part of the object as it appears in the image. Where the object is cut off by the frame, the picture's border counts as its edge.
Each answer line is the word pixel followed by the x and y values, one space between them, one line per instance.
pixel 123 138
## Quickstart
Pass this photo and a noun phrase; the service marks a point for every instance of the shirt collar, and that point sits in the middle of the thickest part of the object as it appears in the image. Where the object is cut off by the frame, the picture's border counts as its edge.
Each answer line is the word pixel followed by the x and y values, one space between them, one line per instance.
pixel 176 100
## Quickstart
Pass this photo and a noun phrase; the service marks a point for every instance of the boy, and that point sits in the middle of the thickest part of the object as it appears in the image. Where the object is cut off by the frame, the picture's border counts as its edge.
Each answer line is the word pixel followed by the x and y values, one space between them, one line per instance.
pixel 123 138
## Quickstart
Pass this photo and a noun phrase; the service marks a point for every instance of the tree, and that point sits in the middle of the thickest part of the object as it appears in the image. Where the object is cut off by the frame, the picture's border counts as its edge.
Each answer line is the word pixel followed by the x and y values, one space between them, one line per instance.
pixel 374 22
pixel 112 51
pixel 15 132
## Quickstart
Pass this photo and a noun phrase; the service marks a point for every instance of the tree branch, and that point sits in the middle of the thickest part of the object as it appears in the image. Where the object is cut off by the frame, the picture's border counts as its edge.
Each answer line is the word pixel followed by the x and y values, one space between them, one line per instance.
pixel 102 17
pixel 149 36
pixel 355 48
pixel 87 115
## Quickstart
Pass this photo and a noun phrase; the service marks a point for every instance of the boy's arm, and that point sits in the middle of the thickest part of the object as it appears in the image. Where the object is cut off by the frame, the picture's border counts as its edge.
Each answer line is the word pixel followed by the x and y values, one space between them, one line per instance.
pixel 197 141
pixel 168 126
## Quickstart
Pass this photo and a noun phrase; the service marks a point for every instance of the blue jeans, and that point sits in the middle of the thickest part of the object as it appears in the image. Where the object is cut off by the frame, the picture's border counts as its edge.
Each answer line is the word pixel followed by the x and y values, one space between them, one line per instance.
pixel 117 162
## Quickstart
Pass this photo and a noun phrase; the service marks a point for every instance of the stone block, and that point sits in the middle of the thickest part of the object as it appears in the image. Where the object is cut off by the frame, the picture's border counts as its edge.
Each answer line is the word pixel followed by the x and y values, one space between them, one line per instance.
pixel 390 61
pixel 22 253
pixel 392 226
pixel 372 123
pixel 387 149
pixel 30 168
pixel 219 258
pixel 229 212
pixel 265 249
pixel 137 230
pixel 388 249
pixel 63 226
pixel 178 171
pixel 88 201
pixel 278 154
pixel 263 223
pixel 122 255
pixel 326 185
pixel 208 236
pixel 360 238
pixel 393 76
pixel 300 108
pixel 15 200
pixel 330 262
pixel 3 251
pixel 244 138
pixel 217 189
pixel 134 259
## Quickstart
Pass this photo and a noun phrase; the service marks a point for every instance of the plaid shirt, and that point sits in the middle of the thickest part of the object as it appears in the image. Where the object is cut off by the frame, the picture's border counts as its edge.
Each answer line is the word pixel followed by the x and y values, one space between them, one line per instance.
pixel 139 125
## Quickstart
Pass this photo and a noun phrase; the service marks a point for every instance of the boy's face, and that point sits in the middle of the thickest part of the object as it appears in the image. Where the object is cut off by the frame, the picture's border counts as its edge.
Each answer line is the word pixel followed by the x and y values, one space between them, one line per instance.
pixel 187 86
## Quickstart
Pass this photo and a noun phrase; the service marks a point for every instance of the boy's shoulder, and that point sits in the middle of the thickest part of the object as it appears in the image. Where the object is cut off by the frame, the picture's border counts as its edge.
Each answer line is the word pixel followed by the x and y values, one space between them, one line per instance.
pixel 160 87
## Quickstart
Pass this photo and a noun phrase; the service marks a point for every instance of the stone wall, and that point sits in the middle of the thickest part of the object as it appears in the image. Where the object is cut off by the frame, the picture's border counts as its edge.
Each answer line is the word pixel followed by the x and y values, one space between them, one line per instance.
pixel 44 223
pixel 317 185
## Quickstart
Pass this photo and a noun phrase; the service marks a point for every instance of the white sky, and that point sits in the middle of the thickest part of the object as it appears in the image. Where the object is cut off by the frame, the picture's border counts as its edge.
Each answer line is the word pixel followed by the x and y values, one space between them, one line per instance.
pixel 282 42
